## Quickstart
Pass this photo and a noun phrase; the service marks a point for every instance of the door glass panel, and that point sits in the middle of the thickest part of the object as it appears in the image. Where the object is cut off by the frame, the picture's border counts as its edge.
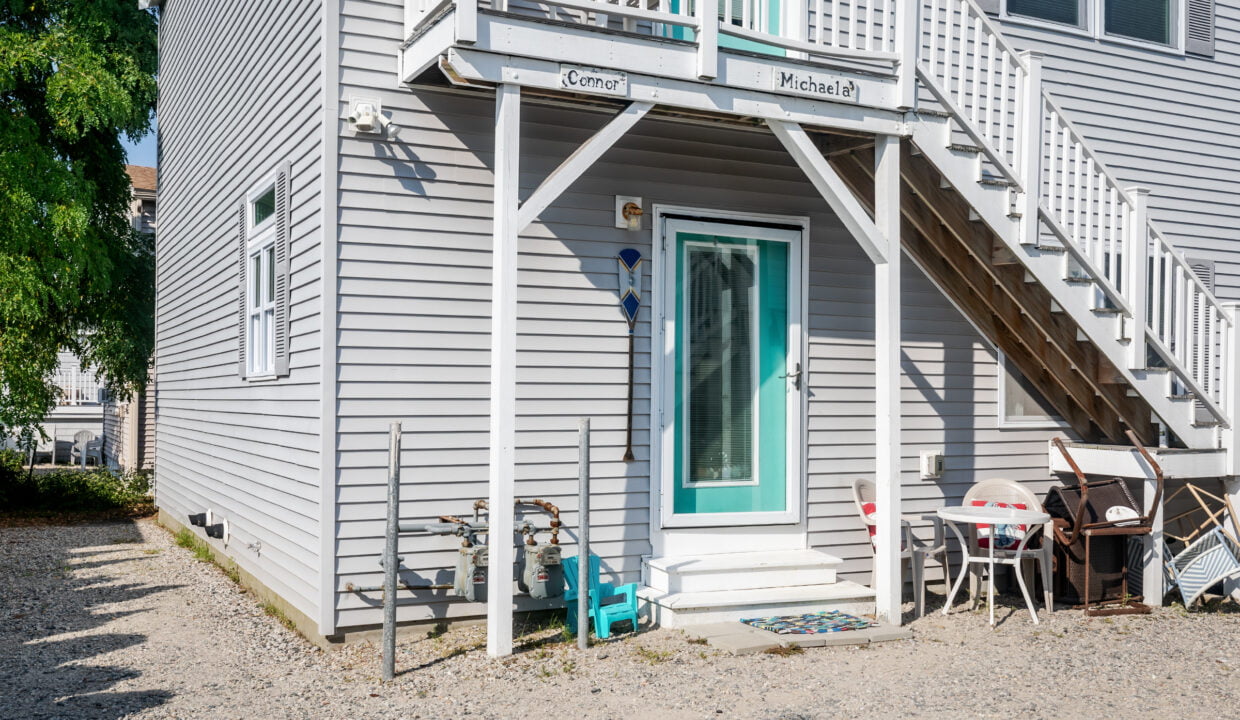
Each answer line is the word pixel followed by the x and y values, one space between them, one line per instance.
pixel 720 294
pixel 732 395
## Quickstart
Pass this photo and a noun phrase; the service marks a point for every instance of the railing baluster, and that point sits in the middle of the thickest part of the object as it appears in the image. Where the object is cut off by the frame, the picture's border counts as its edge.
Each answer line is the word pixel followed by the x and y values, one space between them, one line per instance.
pixel 835 23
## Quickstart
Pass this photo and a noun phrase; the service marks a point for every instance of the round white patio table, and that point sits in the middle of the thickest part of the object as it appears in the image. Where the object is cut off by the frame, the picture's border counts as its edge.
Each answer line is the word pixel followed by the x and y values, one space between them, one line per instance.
pixel 992 516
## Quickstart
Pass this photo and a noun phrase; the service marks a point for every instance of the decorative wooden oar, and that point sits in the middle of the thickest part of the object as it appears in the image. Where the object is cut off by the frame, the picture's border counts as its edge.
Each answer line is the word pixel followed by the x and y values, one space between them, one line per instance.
pixel 629 266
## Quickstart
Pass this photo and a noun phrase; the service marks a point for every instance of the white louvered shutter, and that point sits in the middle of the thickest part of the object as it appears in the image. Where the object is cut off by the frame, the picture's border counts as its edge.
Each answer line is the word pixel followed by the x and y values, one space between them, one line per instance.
pixel 1204 270
pixel 283 223
pixel 243 279
pixel 1199 23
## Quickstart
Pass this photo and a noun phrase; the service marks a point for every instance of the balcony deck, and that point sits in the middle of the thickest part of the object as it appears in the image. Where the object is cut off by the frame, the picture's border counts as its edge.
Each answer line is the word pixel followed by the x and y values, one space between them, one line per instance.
pixel 844 76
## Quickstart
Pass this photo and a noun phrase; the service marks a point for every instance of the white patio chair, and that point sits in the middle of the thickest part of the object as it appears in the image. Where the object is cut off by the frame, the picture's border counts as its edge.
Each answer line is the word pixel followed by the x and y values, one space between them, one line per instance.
pixel 86 447
pixel 1038 550
pixel 912 548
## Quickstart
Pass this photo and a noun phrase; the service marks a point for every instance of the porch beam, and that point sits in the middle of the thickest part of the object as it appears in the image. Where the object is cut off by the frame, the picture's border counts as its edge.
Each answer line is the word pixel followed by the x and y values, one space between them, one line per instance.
pixel 581 160
pixel 833 189
pixel 888 582
pixel 503 409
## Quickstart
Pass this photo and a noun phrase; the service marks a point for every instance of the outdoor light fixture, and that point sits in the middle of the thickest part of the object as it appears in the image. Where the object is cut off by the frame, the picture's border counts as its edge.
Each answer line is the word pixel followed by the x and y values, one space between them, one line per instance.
pixel 367 116
pixel 629 213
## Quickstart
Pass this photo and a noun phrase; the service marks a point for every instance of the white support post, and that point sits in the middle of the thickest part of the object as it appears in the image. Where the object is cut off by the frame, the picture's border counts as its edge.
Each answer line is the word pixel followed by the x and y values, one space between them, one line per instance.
pixel 503 370
pixel 1031 148
pixel 1152 588
pixel 1136 272
pixel 907 39
pixel 707 39
pixel 1231 386
pixel 467 21
pixel 888 582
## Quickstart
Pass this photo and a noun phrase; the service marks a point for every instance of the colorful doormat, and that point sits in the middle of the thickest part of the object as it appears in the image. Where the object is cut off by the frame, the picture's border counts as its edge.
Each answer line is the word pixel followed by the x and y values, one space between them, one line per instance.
pixel 827 621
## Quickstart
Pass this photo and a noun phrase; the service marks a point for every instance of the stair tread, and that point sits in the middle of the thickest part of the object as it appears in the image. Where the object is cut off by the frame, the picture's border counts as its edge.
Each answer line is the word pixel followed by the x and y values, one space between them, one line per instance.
pixel 965 148
pixel 841 590
pixel 731 562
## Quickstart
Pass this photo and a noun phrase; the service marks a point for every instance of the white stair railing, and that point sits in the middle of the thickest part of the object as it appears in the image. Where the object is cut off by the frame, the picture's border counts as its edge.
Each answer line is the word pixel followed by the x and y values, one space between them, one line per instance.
pixel 991 92
pixel 978 76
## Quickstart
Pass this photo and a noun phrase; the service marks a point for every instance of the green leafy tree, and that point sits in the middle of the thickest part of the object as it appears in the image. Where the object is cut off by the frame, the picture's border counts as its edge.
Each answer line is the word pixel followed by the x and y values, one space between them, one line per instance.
pixel 75 76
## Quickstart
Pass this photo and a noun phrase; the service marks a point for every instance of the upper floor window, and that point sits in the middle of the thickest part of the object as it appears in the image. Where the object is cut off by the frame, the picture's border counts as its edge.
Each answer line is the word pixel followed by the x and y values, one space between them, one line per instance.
pixel 1156 22
pixel 1148 20
pixel 1066 12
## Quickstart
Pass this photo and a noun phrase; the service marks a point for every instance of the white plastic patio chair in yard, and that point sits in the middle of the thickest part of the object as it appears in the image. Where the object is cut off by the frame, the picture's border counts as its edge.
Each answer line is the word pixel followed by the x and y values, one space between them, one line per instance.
pixel 86 447
pixel 912 548
pixel 1007 493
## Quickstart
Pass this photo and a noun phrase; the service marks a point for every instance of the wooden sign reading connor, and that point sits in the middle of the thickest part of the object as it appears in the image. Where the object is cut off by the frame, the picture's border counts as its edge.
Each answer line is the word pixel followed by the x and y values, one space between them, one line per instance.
pixel 815 85
pixel 594 80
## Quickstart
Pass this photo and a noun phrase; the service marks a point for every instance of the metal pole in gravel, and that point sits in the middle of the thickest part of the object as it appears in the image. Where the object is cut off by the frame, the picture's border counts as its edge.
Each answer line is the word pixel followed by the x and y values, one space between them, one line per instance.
pixel 390 562
pixel 583 535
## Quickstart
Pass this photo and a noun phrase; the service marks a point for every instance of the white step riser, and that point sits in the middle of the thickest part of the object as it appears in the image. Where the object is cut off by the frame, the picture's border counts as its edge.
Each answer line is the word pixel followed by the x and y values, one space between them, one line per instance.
pixel 1048 271
pixel 751 579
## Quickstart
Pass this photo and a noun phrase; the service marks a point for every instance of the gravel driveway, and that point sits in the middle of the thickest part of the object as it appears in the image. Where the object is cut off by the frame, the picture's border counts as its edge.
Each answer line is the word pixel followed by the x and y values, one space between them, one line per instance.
pixel 108 621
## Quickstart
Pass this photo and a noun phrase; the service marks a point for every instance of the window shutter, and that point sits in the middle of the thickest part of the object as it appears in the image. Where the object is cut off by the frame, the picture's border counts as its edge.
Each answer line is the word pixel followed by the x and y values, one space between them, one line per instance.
pixel 242 264
pixel 1199 22
pixel 1204 270
pixel 283 223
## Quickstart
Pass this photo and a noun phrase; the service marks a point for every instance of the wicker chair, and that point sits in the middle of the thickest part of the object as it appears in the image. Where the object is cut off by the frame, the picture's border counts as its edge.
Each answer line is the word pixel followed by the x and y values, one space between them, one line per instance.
pixel 912 548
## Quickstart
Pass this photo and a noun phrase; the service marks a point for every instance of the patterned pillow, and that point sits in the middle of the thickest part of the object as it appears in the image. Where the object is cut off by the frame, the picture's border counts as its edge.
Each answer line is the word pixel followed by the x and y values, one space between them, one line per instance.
pixel 871 523
pixel 1007 537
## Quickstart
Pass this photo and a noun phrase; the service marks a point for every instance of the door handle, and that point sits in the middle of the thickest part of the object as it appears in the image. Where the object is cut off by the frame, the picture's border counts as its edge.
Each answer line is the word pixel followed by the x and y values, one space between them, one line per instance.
pixel 795 375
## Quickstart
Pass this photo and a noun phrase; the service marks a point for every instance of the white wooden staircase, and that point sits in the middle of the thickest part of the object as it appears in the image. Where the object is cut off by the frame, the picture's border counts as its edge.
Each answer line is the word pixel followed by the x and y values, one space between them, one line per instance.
pixel 1054 210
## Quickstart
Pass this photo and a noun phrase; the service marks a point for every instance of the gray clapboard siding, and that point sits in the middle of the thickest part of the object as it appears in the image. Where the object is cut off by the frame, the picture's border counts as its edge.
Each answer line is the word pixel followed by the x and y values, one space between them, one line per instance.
pixel 414 318
pixel 240 91
pixel 1162 120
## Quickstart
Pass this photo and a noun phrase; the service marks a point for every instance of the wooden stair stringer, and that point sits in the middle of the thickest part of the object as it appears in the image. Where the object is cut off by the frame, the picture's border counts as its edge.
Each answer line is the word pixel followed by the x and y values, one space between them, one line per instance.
pixel 1017 316
pixel 1073 299
pixel 991 311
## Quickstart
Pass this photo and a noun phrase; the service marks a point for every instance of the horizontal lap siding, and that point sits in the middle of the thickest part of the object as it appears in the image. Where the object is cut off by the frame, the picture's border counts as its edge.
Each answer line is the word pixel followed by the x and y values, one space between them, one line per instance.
pixel 414 330
pixel 240 92
pixel 1164 121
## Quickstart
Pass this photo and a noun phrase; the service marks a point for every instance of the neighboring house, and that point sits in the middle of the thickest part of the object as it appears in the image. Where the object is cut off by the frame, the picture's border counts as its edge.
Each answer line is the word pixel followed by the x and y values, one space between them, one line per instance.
pixel 79 408
pixel 453 266
pixel 129 426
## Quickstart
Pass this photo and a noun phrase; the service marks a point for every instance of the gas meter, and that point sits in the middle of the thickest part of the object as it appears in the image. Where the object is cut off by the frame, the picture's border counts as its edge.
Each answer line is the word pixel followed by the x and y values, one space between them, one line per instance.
pixel 471 574
pixel 542 573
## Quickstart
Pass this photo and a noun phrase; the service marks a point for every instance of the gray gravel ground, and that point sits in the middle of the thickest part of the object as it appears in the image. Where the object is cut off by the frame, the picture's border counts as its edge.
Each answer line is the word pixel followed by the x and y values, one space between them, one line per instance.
pixel 109 621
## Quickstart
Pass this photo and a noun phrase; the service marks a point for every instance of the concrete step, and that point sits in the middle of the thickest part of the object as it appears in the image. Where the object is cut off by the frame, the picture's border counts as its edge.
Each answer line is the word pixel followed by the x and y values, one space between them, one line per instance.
pixel 741 571
pixel 694 608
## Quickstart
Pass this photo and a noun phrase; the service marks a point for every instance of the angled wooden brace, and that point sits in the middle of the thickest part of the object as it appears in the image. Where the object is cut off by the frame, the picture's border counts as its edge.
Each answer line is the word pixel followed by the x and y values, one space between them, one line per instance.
pixel 832 189
pixel 576 164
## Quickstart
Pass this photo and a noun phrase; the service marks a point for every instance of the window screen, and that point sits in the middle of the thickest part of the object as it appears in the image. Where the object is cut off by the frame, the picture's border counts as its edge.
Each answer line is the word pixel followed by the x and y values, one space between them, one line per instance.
pixel 1067 12
pixel 1140 19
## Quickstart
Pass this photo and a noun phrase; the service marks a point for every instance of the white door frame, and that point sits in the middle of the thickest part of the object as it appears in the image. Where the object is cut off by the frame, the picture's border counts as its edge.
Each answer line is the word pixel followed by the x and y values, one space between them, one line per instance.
pixel 784 528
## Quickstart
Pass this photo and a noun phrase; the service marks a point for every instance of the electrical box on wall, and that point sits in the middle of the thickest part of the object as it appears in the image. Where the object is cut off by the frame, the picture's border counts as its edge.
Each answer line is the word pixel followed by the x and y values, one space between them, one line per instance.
pixel 931 464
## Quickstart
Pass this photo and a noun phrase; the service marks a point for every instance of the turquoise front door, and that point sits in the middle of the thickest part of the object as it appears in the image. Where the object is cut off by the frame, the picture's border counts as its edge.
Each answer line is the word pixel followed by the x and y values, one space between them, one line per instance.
pixel 734 404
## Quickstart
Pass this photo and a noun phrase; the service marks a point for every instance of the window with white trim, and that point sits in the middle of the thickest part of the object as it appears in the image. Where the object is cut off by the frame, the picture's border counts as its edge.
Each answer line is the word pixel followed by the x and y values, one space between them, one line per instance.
pixel 261 281
pixel 1020 404
pixel 1176 25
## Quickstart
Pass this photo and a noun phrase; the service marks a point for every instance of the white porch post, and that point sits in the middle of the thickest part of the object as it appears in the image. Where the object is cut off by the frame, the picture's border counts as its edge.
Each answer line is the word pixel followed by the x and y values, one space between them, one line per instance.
pixel 1230 371
pixel 503 370
pixel 888 583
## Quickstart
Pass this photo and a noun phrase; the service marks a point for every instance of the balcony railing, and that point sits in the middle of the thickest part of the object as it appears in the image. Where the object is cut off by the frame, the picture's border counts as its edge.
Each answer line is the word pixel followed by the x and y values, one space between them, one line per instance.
pixel 78 387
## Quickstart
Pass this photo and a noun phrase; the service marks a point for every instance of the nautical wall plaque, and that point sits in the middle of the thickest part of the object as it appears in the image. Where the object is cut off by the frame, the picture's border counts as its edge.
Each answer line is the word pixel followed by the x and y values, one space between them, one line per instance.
pixel 817 85
pixel 594 80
